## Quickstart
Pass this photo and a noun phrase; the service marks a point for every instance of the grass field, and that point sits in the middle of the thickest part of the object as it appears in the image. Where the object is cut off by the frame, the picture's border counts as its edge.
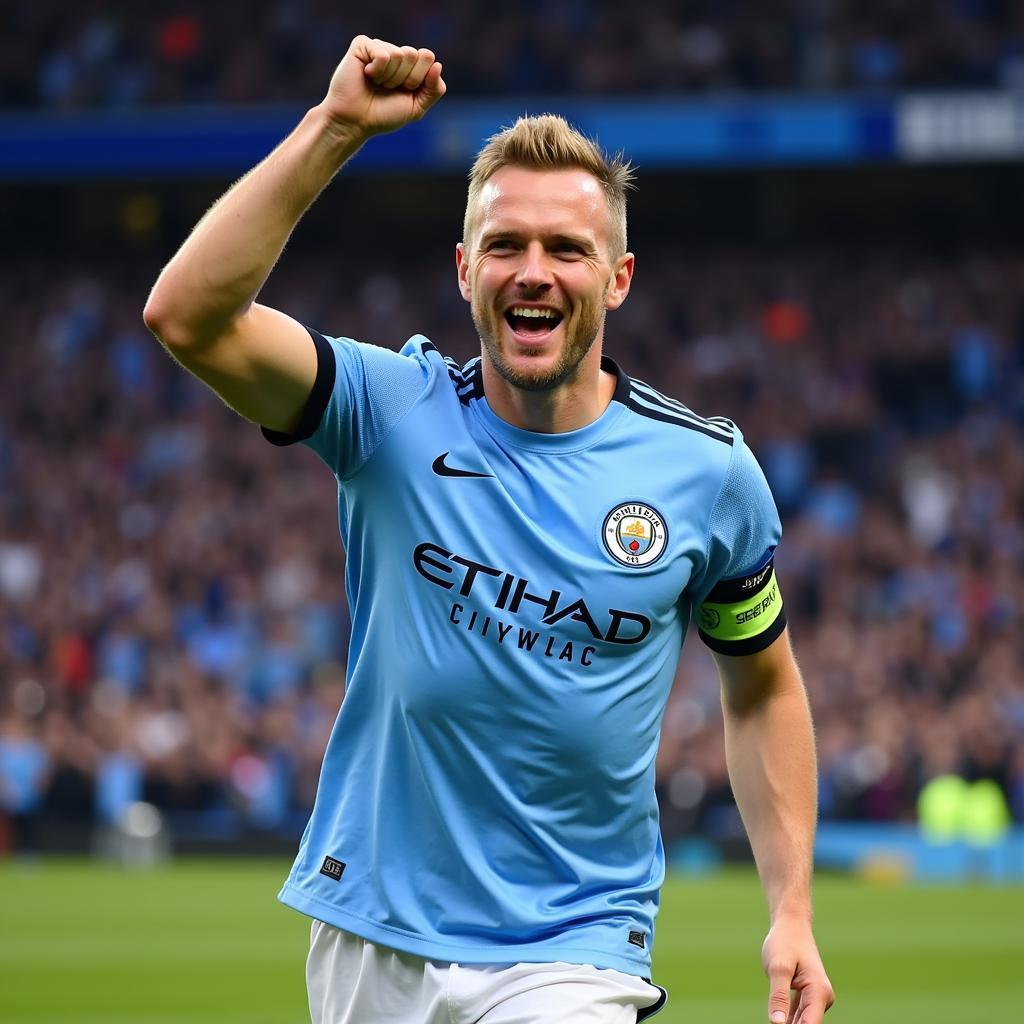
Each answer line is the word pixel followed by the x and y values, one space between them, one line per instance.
pixel 204 942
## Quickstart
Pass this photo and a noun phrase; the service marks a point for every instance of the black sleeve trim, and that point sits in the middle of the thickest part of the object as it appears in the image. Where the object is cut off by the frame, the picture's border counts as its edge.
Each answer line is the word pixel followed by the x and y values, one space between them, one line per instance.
pixel 319 396
pixel 752 645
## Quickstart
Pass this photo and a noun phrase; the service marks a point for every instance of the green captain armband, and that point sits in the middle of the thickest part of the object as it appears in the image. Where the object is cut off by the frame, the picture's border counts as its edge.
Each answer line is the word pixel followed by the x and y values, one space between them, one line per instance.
pixel 743 615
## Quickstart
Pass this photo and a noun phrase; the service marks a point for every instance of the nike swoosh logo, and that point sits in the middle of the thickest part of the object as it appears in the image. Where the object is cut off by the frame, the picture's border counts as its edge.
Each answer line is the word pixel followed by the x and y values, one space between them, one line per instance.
pixel 441 468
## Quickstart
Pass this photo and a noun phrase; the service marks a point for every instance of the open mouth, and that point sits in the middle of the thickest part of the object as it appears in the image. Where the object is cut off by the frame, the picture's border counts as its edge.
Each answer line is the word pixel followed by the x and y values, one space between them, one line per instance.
pixel 531 324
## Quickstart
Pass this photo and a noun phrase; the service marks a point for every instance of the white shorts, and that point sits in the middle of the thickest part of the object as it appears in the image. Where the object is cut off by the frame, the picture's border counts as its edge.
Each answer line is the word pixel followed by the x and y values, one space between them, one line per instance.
pixel 352 981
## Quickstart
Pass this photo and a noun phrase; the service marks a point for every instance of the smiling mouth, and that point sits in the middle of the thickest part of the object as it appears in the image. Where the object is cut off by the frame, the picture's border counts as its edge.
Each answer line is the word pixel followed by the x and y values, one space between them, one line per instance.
pixel 532 325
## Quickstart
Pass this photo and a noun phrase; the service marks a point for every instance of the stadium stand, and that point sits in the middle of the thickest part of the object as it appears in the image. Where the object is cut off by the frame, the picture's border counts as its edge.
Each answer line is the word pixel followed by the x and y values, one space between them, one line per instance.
pixel 115 56
pixel 167 632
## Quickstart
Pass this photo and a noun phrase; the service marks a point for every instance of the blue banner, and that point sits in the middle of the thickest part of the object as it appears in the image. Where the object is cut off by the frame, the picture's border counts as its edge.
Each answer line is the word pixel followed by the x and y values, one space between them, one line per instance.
pixel 655 133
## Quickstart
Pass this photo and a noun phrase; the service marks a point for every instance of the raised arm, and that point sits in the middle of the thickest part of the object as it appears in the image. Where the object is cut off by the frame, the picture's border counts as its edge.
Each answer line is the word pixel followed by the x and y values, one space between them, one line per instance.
pixel 203 308
pixel 769 745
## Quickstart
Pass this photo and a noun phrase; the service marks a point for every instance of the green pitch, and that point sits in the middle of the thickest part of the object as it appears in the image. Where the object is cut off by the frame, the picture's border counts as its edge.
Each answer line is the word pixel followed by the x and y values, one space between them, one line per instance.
pixel 204 942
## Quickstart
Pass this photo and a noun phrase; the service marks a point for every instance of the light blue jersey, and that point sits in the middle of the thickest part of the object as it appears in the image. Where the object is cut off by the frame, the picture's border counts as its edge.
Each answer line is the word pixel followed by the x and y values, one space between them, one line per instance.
pixel 518 604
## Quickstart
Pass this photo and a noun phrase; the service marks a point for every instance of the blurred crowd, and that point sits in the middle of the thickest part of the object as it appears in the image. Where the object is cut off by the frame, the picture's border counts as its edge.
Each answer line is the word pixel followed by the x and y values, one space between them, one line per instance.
pixel 54 54
pixel 172 620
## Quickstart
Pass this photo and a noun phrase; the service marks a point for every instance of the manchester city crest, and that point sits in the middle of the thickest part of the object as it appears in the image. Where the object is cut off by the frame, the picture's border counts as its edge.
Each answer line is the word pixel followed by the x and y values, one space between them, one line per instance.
pixel 635 534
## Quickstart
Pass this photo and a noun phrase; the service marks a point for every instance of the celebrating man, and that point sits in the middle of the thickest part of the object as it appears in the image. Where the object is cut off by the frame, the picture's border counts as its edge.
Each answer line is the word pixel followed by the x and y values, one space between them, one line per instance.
pixel 526 538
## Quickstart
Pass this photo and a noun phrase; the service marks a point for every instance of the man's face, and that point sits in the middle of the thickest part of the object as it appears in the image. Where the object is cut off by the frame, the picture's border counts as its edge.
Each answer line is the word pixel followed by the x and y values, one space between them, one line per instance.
pixel 537 273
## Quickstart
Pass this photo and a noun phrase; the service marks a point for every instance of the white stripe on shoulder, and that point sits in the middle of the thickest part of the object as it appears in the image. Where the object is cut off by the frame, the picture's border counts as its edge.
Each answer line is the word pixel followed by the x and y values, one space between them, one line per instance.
pixel 674 403
pixel 682 414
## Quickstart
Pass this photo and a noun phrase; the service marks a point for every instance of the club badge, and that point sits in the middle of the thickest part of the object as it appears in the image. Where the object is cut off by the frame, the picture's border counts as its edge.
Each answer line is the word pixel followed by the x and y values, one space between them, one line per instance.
pixel 635 534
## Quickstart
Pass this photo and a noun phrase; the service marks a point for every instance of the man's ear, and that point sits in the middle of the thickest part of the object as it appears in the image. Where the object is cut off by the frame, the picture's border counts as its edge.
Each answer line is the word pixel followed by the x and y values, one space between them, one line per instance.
pixel 462 266
pixel 622 276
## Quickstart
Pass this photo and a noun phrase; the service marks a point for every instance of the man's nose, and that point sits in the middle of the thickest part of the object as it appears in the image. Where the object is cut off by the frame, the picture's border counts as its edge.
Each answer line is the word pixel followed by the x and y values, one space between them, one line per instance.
pixel 534 268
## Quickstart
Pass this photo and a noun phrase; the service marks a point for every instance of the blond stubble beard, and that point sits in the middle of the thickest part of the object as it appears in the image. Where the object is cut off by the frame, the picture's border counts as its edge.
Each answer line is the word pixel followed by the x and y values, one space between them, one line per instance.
pixel 574 348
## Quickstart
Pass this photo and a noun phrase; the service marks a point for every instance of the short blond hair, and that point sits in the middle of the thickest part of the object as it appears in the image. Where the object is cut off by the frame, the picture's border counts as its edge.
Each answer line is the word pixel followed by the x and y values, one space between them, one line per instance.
pixel 548 142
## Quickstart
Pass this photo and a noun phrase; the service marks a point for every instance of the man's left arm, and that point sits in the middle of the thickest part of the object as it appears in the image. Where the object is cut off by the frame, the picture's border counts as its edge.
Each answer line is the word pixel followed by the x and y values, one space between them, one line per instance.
pixel 769 745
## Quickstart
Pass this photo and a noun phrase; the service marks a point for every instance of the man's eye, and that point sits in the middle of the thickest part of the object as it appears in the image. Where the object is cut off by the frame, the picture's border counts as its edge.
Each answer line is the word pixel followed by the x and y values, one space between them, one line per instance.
pixel 500 243
pixel 569 247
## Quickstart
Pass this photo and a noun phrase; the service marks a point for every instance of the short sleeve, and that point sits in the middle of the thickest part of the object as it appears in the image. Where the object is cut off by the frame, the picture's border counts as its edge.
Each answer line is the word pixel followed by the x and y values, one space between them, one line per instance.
pixel 739 606
pixel 359 395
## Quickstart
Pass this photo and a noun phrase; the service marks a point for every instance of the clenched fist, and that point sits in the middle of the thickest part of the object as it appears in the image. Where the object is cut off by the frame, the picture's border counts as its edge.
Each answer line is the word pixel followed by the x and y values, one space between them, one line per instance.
pixel 379 87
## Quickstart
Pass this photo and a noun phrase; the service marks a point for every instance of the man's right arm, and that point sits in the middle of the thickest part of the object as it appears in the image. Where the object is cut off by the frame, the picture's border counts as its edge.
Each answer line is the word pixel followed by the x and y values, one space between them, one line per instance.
pixel 203 308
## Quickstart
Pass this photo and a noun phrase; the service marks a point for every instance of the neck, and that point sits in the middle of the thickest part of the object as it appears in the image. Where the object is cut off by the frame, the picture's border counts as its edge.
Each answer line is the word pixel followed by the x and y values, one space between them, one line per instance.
pixel 576 402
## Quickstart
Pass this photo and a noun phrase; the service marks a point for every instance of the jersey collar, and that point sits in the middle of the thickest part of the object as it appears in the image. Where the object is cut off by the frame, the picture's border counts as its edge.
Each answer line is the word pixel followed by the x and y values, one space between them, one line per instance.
pixel 569 441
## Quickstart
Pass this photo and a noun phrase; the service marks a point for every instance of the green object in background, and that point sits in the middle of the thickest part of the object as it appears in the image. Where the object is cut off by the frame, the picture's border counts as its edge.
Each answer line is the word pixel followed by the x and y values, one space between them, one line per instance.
pixel 949 809
pixel 205 942
pixel 986 817
pixel 940 808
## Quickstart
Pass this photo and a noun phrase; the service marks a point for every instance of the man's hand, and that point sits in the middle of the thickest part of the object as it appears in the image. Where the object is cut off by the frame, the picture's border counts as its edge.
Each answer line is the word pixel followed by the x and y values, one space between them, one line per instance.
pixel 379 87
pixel 800 989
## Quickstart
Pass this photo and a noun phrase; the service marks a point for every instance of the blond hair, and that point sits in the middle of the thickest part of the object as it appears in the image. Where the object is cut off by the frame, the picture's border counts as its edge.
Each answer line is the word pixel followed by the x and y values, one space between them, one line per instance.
pixel 548 142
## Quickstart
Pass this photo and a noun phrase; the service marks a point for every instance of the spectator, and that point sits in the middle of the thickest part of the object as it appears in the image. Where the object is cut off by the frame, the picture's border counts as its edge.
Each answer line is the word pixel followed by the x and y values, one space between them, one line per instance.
pixel 24 767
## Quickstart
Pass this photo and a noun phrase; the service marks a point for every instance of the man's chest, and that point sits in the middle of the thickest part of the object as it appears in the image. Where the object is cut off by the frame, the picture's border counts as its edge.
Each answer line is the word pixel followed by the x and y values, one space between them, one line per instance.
pixel 597 544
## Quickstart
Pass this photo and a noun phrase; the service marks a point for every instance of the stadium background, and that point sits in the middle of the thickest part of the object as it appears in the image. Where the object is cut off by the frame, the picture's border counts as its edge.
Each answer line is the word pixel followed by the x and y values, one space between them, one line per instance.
pixel 828 227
